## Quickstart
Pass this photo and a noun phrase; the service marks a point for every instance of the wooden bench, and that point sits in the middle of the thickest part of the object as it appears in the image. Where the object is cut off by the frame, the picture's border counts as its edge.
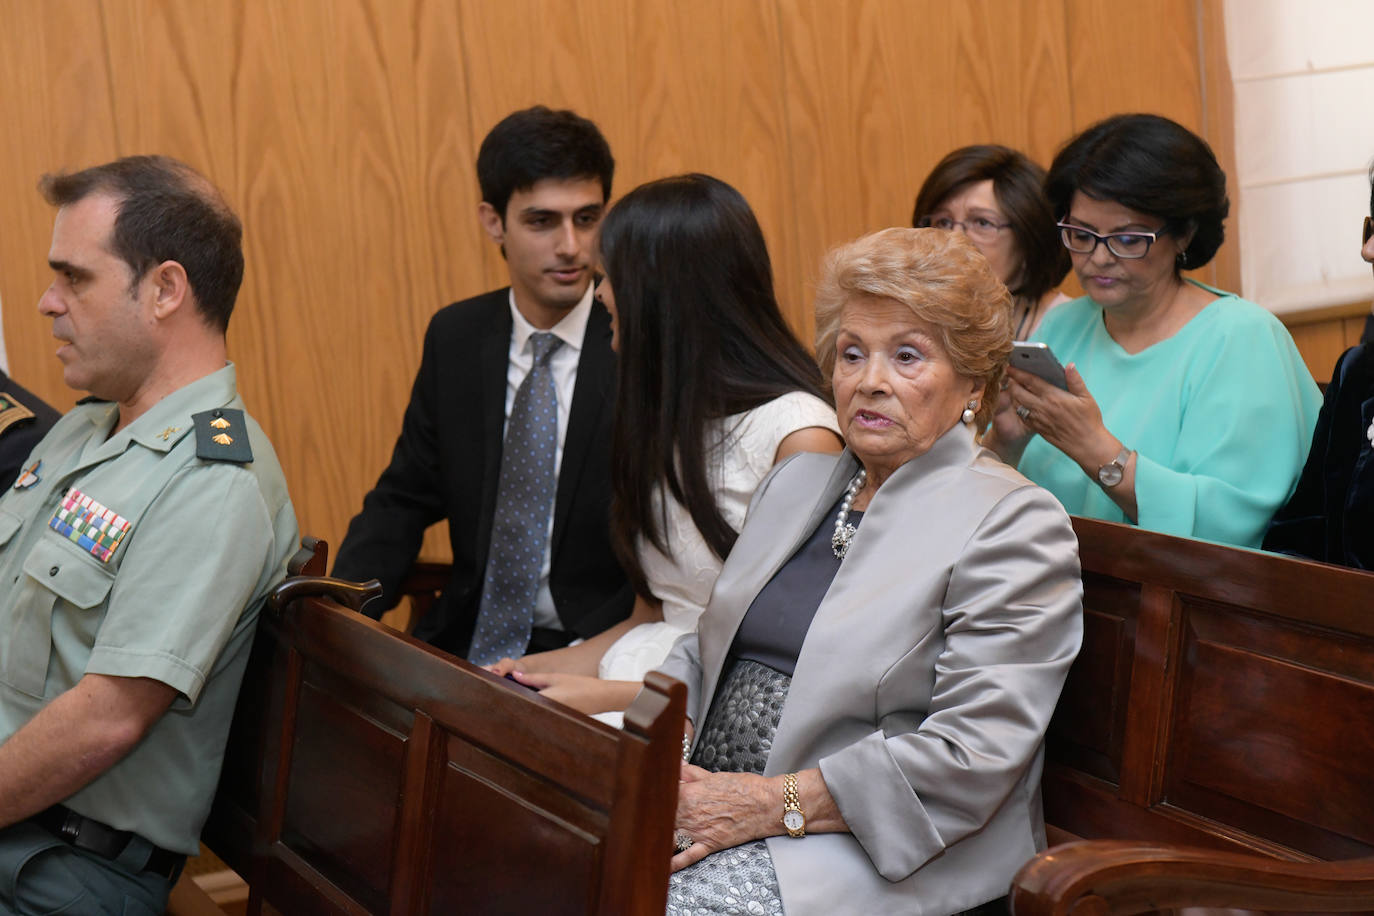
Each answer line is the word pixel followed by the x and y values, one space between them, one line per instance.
pixel 370 773
pixel 1224 702
pixel 1214 744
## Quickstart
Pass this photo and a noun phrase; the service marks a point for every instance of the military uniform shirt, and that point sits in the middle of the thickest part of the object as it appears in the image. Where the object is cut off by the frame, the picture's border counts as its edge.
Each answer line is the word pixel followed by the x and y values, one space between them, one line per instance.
pixel 133 557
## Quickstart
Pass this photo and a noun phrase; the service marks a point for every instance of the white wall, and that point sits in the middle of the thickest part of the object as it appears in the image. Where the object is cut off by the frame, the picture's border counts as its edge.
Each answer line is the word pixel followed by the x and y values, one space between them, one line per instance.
pixel 1303 73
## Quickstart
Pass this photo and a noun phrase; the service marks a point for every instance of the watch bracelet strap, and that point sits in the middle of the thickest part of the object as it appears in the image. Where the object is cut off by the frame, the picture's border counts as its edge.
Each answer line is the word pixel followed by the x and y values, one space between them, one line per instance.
pixel 791 801
pixel 789 792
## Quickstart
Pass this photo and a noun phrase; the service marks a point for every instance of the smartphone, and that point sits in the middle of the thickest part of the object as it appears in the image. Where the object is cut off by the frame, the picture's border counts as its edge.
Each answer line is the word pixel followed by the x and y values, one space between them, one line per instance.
pixel 1038 359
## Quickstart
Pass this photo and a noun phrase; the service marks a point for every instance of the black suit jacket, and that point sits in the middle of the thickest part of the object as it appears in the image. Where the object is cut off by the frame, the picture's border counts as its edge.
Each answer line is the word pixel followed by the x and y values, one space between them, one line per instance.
pixel 19 434
pixel 447 462
pixel 1330 515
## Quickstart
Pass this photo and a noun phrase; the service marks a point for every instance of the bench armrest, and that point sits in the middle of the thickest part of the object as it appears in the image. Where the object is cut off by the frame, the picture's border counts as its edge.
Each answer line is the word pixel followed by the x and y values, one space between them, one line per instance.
pixel 1100 877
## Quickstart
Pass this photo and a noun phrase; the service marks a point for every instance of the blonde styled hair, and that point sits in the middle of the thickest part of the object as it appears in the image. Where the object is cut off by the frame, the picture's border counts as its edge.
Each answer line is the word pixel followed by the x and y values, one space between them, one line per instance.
pixel 944 280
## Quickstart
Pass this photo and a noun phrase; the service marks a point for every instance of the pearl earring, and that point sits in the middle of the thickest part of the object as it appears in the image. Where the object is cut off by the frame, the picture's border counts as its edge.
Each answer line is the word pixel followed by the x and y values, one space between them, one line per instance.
pixel 967 416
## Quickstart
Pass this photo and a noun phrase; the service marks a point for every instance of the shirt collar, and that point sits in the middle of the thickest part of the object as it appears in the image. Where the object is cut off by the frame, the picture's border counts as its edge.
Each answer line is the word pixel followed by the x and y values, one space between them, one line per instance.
pixel 170 419
pixel 570 330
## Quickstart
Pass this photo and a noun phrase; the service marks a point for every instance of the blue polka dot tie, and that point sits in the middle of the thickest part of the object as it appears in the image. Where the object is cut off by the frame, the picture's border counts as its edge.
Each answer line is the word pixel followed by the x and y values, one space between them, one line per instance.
pixel 524 501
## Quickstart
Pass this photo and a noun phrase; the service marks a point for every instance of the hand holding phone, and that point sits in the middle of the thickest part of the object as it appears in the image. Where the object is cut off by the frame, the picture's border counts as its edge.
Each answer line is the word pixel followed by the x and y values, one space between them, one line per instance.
pixel 1038 360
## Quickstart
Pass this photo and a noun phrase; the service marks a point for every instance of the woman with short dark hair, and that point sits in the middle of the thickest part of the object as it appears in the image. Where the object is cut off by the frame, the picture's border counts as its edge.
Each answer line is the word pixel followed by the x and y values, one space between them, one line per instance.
pixel 995 195
pixel 1188 410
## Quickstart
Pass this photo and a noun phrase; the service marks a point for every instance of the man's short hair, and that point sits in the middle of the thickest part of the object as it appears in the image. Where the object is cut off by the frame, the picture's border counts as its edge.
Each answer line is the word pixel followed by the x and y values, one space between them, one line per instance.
pixel 167 212
pixel 537 143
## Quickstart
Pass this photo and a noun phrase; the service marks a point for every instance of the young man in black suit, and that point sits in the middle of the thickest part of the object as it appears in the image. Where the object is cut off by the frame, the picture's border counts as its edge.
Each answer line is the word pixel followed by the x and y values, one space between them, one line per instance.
pixel 545 178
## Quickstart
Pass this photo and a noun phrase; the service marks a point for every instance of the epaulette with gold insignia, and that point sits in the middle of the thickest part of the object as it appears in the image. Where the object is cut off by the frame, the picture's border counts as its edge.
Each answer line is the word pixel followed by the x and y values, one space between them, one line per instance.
pixel 222 435
pixel 11 411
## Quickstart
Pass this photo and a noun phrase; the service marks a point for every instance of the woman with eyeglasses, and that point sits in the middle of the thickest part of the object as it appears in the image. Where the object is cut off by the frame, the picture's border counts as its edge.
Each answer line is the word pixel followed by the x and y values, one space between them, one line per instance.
pixel 1188 410
pixel 995 196
pixel 1331 514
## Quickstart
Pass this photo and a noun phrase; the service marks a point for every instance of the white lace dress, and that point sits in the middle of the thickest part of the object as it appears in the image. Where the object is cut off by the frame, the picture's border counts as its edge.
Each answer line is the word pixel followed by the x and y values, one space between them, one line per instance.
pixel 682 578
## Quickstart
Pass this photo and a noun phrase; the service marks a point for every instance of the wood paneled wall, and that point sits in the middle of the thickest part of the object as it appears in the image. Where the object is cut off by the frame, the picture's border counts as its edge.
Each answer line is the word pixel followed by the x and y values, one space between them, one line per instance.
pixel 344 132
pixel 1323 337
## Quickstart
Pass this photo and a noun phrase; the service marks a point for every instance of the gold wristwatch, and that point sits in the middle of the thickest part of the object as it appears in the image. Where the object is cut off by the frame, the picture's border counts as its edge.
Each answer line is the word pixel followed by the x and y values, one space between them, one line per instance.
pixel 793 818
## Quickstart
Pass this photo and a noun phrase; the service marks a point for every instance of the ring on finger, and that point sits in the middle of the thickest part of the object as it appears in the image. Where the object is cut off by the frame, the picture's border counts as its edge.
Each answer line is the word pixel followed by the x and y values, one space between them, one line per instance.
pixel 682 842
pixel 1024 413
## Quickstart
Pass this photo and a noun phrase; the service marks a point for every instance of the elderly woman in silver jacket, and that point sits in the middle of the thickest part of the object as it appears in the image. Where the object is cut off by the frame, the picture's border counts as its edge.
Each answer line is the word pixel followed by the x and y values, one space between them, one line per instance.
pixel 870 685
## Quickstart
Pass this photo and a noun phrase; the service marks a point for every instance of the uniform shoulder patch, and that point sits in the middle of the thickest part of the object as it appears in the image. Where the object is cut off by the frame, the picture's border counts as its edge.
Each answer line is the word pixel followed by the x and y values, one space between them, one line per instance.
pixel 222 435
pixel 12 411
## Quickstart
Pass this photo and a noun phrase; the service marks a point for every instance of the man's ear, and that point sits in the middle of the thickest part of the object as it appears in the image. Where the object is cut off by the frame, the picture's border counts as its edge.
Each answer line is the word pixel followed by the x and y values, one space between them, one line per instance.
pixel 170 286
pixel 493 223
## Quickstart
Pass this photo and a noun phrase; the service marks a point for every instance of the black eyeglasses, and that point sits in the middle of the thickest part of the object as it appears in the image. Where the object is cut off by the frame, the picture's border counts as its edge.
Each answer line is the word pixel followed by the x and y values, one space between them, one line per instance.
pixel 1126 245
pixel 1368 231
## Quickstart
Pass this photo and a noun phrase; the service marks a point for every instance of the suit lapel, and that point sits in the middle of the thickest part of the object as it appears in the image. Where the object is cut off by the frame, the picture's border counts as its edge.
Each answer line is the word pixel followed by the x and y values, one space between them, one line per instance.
pixel 495 358
pixel 768 543
pixel 886 566
pixel 591 397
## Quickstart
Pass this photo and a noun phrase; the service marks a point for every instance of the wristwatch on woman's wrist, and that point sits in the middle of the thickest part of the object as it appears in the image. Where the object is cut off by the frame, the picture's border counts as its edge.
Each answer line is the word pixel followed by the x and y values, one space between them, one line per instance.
pixel 793 818
pixel 1111 473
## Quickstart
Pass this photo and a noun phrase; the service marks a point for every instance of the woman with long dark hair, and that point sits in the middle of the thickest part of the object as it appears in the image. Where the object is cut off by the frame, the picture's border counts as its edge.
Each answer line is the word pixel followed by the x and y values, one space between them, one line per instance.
pixel 713 390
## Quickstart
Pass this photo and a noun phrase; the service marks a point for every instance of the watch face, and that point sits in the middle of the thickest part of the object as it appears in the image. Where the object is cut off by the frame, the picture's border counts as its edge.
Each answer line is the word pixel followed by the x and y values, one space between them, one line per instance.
pixel 1109 475
pixel 793 820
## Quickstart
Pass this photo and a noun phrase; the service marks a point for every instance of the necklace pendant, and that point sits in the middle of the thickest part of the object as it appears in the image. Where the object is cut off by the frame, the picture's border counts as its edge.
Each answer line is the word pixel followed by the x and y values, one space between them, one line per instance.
pixel 839 541
pixel 844 532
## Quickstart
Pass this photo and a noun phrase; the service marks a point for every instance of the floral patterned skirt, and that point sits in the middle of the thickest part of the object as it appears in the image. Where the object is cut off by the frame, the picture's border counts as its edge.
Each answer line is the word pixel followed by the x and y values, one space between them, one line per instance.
pixel 736 737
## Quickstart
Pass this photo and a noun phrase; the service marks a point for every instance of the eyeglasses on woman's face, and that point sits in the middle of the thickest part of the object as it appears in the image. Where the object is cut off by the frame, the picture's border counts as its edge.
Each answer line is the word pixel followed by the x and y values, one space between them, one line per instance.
pixel 977 228
pixel 1126 245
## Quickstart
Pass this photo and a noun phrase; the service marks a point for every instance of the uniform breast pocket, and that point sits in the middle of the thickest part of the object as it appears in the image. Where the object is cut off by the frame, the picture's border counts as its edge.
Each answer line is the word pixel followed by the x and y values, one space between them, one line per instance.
pixel 54 572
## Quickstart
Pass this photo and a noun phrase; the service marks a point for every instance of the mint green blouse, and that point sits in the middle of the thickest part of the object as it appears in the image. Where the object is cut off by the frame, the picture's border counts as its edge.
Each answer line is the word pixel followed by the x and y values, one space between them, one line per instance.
pixel 1220 416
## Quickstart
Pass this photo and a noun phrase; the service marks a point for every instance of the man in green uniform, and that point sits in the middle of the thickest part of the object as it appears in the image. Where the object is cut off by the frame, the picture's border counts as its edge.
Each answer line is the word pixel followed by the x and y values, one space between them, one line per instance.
pixel 136 552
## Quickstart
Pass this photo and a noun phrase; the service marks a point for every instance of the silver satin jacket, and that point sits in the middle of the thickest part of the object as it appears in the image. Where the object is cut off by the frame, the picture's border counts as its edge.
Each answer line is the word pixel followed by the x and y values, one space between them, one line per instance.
pixel 926 681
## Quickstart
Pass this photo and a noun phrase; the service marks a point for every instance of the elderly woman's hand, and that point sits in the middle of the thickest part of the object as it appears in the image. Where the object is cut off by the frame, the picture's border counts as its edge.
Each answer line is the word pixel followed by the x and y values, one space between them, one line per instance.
pixel 720 810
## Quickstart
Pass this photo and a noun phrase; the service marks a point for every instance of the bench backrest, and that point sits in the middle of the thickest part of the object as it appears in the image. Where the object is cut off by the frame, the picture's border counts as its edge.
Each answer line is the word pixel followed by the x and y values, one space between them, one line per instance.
pixel 370 773
pixel 1223 698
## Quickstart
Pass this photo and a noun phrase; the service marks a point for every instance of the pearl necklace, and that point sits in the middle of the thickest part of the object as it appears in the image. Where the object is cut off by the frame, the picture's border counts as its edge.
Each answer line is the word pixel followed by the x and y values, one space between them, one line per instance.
pixel 844 532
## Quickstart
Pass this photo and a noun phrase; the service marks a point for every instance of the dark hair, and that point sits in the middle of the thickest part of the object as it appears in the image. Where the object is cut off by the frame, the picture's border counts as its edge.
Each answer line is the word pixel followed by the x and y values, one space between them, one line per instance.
pixel 1152 165
pixel 537 143
pixel 1371 189
pixel 701 337
pixel 167 212
pixel 1019 185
